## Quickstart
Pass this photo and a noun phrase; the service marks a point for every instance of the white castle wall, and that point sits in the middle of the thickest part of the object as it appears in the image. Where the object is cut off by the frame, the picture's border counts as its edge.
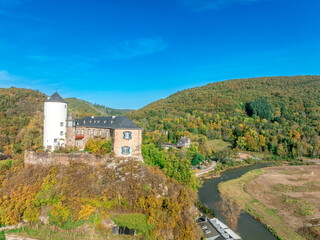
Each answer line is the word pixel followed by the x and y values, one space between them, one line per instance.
pixel 55 113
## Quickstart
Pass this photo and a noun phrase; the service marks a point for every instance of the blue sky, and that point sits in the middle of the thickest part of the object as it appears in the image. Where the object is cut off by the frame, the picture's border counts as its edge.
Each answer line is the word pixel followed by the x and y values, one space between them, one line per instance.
pixel 126 54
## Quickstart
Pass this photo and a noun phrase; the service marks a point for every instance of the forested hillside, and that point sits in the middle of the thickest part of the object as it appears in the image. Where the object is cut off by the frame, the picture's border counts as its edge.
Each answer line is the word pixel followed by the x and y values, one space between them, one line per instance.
pixel 80 108
pixel 21 117
pixel 278 115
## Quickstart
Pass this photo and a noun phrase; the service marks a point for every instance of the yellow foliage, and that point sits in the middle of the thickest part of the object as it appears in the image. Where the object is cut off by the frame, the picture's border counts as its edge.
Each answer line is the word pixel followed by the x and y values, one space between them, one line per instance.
pixel 31 214
pixel 59 214
pixel 85 212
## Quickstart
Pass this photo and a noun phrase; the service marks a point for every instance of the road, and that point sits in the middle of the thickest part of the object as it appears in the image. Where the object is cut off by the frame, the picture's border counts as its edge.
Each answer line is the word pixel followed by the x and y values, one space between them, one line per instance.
pixel 208 169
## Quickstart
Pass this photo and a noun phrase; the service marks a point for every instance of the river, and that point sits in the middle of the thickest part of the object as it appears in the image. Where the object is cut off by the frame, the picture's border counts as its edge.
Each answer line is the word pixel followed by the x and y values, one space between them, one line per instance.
pixel 248 227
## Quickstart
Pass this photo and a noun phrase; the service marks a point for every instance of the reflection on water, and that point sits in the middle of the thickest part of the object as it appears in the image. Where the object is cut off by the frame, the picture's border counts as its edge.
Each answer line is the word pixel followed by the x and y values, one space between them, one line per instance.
pixel 248 227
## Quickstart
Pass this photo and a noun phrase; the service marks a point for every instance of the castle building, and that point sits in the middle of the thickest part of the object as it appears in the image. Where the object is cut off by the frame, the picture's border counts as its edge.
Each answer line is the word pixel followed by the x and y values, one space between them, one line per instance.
pixel 126 136
pixel 54 127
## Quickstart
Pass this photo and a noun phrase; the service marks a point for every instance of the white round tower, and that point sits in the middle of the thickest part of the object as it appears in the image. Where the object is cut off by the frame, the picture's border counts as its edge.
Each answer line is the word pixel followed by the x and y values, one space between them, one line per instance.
pixel 54 127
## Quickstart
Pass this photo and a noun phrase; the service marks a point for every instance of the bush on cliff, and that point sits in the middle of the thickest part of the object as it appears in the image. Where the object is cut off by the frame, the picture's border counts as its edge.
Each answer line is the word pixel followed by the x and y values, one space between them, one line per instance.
pixel 99 146
pixel 79 193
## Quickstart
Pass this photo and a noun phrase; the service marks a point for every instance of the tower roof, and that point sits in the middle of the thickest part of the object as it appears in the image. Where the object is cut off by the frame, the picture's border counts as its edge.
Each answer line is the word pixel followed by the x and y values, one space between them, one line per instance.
pixel 55 98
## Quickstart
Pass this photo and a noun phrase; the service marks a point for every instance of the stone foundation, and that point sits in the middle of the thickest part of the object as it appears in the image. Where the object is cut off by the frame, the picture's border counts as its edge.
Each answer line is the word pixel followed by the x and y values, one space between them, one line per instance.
pixel 48 158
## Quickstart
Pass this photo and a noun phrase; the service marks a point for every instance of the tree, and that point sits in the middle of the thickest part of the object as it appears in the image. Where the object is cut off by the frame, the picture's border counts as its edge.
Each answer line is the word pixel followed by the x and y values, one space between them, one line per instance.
pixel 241 143
pixel 99 146
pixel 259 107
pixel 198 158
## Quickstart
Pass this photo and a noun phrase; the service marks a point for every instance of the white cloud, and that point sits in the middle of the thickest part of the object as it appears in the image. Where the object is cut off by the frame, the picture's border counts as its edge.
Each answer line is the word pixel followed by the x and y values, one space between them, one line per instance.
pixel 202 5
pixel 138 47
pixel 6 77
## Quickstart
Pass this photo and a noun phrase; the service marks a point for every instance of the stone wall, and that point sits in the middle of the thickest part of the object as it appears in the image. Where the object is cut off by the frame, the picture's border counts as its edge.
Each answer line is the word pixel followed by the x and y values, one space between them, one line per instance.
pixel 48 158
pixel 87 132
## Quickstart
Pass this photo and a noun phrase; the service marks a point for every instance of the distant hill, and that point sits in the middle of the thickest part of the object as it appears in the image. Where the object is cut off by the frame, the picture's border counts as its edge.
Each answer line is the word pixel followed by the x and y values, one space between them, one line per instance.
pixel 21 117
pixel 297 92
pixel 219 111
pixel 80 108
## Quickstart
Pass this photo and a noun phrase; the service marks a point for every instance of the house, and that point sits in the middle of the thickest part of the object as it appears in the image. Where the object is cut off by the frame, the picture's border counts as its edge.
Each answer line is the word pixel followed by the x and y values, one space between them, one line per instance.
pixel 214 229
pixel 184 142
pixel 168 145
pixel 60 130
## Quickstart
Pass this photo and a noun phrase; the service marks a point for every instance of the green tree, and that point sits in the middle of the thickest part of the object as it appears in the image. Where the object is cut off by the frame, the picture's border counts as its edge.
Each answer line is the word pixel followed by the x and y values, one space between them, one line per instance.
pixel 198 158
pixel 99 146
pixel 259 107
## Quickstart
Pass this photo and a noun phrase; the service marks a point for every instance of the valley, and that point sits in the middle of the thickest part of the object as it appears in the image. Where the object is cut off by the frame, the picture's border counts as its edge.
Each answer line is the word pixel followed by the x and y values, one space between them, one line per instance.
pixel 285 198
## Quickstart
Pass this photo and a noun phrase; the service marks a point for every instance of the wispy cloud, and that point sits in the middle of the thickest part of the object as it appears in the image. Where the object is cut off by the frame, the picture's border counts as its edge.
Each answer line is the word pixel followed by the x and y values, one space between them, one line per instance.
pixel 6 3
pixel 23 17
pixel 39 58
pixel 134 48
pixel 202 5
pixel 6 77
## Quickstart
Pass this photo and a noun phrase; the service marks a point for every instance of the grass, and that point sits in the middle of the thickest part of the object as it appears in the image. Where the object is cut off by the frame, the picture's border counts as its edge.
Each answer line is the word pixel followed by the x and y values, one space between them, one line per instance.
pixel 135 221
pixel 294 172
pixel 307 187
pixel 302 207
pixel 42 231
pixel 235 189
pixel 9 163
pixel 219 145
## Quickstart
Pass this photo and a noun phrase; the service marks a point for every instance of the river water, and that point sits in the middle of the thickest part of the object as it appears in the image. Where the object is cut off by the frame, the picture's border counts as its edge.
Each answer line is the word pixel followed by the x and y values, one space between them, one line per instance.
pixel 248 227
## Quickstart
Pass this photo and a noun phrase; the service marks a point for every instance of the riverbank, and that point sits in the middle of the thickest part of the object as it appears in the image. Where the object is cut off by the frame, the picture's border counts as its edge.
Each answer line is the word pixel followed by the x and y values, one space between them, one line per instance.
pixel 220 168
pixel 282 198
pixel 248 227
pixel 224 167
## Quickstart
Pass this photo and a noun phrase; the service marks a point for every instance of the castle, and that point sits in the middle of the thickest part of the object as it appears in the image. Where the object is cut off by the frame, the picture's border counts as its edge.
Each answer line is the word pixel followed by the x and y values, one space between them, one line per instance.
pixel 60 130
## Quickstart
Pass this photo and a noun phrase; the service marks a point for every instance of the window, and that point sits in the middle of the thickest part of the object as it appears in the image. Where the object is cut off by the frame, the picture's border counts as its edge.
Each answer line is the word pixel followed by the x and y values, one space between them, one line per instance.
pixel 82 142
pixel 61 124
pixel 125 150
pixel 104 121
pixel 84 121
pixel 99 132
pixel 89 131
pixel 94 132
pixel 82 131
pixel 127 135
pixel 61 133
pixel 77 143
pixel 55 140
pixel 78 131
pixel 107 133
pixel 90 121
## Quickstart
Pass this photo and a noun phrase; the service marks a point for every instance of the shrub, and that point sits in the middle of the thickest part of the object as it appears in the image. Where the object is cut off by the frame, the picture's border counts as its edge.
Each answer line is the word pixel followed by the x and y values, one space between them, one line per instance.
pixel 99 146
